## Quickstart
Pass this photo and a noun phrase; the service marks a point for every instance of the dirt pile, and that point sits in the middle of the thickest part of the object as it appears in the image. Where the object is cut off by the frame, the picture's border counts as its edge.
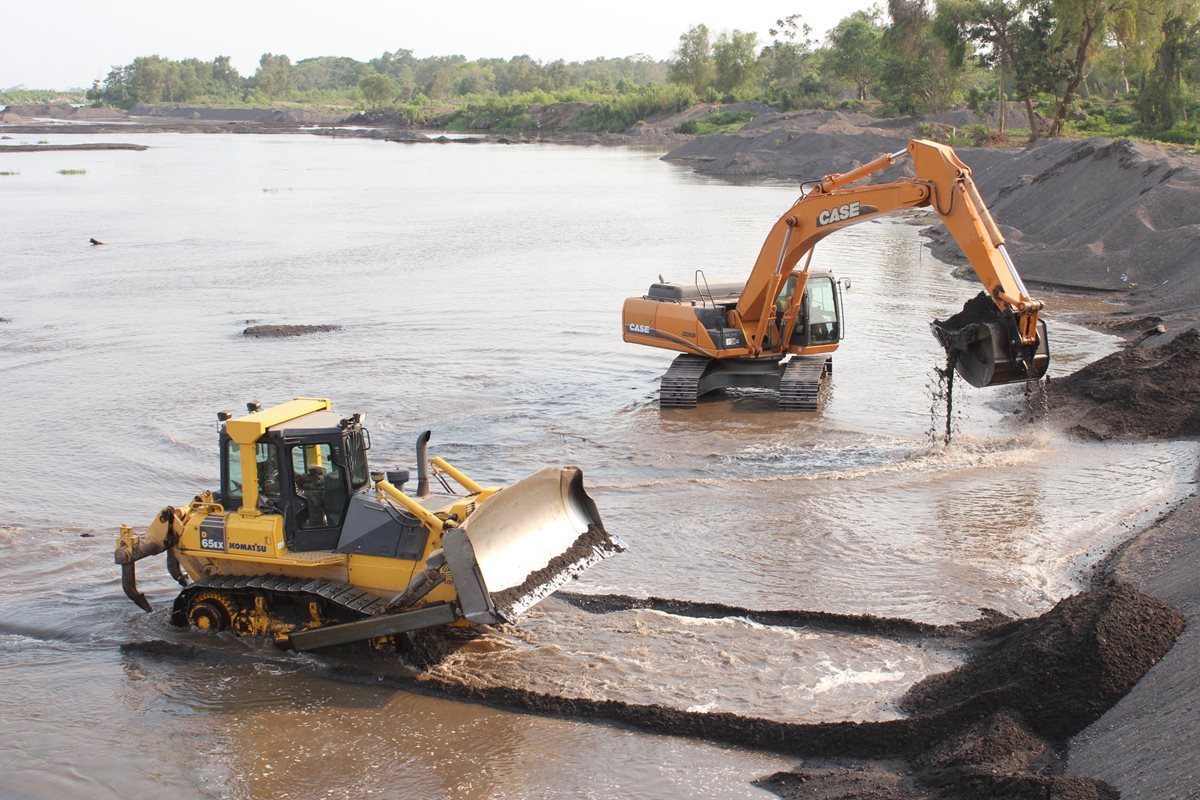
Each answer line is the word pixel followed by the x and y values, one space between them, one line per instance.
pixel 997 726
pixel 1062 670
pixel 798 146
pixel 61 111
pixel 259 116
pixel 1136 393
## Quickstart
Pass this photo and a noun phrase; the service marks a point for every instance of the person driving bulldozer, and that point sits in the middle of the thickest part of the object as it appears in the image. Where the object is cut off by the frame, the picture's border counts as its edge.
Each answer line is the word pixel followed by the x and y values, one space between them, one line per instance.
pixel 310 486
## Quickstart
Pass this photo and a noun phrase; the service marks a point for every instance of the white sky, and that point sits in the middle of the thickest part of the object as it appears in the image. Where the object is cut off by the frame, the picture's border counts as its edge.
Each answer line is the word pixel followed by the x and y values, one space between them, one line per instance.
pixel 70 43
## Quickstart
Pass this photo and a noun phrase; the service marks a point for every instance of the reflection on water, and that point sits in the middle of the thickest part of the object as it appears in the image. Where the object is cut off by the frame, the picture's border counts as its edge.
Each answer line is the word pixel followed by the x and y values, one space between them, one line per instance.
pixel 479 293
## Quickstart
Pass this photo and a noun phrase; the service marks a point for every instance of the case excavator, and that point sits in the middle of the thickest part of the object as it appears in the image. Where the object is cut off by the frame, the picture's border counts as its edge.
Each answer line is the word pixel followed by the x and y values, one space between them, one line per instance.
pixel 303 544
pixel 778 330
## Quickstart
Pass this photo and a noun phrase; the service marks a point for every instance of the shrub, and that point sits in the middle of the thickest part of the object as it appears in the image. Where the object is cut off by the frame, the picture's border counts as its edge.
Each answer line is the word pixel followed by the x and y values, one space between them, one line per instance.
pixel 716 122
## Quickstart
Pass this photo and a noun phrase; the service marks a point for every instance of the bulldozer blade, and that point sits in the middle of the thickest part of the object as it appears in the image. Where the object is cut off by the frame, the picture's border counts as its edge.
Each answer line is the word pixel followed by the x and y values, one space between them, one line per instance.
pixel 524 542
pixel 983 345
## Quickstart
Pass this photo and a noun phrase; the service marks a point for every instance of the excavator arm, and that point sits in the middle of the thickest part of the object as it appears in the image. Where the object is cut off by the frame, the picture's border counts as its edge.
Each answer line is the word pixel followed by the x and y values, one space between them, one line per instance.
pixel 987 345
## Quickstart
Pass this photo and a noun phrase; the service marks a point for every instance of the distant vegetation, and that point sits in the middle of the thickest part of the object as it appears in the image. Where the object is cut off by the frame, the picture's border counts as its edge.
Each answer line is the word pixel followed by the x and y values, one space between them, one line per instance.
pixel 23 96
pixel 1031 67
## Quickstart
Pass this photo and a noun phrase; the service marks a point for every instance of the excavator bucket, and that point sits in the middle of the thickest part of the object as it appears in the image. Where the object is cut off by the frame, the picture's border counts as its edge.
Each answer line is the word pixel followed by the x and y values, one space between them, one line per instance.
pixel 985 349
pixel 523 543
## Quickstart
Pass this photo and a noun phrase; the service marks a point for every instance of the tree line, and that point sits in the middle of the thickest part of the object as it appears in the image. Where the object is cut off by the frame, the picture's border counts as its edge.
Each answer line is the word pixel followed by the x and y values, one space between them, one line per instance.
pixel 1079 64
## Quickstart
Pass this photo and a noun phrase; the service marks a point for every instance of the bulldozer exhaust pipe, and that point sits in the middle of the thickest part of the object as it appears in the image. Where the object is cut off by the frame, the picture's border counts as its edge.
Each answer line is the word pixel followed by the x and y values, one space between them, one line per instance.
pixel 423 464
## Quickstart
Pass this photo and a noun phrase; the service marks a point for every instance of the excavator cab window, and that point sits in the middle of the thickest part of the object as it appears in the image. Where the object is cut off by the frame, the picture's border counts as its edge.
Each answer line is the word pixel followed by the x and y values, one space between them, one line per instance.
pixel 822 311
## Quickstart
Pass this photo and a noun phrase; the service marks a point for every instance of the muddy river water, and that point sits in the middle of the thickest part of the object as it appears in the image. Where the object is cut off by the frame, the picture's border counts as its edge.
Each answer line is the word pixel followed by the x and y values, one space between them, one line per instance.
pixel 478 289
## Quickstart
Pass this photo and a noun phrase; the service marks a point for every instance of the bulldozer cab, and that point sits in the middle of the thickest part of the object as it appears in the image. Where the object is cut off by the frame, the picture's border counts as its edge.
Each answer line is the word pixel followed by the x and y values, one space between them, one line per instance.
pixel 305 470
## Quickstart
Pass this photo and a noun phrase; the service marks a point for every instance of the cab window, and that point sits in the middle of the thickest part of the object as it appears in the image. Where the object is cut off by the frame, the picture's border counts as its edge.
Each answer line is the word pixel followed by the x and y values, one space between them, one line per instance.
pixel 320 486
pixel 357 458
pixel 266 466
pixel 822 312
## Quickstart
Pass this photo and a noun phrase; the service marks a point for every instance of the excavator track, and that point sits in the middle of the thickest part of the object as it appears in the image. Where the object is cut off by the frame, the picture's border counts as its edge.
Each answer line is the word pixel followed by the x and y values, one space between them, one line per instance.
pixel 800 385
pixel 681 383
pixel 340 600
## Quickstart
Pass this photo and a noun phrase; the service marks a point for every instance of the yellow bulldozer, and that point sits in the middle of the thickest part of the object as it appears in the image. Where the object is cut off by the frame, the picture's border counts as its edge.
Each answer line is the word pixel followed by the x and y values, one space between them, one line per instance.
pixel 778 329
pixel 304 544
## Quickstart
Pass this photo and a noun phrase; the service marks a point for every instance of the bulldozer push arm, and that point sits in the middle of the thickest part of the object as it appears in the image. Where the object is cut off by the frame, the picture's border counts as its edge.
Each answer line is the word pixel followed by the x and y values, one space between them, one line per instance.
pixel 941 180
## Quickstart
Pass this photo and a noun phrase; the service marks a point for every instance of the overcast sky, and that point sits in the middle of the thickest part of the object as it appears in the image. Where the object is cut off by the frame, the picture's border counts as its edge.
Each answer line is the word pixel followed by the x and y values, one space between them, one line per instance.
pixel 70 43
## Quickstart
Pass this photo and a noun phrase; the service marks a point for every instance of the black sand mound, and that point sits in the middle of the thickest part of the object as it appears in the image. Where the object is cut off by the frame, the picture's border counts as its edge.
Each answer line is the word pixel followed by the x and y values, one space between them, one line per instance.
pixel 42 148
pixel 1062 670
pixel 1136 393
pixel 279 331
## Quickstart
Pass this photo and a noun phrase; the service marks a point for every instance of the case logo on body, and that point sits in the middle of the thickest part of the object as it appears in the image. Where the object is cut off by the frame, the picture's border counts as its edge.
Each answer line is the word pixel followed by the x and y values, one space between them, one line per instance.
pixel 636 328
pixel 844 212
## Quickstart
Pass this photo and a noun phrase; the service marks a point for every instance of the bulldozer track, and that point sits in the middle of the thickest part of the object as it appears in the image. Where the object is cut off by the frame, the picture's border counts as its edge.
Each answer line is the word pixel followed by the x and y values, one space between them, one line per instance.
pixel 342 595
pixel 681 382
pixel 800 385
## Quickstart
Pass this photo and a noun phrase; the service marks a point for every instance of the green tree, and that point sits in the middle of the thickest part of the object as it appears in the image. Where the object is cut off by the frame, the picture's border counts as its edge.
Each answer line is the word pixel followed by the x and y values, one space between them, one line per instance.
pixel 474 78
pixel 855 51
pixel 735 61
pixel 225 79
pixel 274 75
pixel 378 90
pixel 919 72
pixel 789 65
pixel 1161 101
pixel 693 64
pixel 1039 63
pixel 1082 27
pixel 520 74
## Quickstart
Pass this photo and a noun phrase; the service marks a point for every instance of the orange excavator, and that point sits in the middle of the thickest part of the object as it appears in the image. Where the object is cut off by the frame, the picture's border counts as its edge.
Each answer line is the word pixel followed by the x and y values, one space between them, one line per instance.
pixel 779 329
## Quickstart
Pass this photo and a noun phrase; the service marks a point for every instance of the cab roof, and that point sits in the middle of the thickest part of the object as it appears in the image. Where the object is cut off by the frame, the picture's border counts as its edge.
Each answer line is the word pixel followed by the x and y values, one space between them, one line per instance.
pixel 250 428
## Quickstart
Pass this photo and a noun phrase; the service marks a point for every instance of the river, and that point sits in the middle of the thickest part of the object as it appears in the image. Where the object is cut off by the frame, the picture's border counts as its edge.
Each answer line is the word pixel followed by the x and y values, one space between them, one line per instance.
pixel 478 291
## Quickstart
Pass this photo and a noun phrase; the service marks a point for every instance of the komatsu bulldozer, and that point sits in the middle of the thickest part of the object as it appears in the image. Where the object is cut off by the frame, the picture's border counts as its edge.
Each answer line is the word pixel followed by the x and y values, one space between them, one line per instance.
pixel 779 328
pixel 304 544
